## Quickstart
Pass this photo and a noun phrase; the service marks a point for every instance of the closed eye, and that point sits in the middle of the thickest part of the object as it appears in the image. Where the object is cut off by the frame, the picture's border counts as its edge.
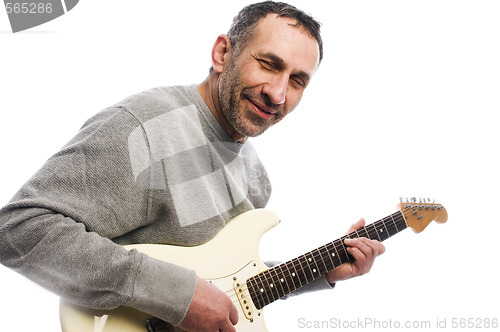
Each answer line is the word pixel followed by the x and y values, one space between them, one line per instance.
pixel 298 82
pixel 267 65
pixel 275 64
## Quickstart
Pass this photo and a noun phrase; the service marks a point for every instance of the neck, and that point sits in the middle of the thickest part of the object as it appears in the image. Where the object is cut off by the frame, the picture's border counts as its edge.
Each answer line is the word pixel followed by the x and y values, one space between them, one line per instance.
pixel 282 279
pixel 209 93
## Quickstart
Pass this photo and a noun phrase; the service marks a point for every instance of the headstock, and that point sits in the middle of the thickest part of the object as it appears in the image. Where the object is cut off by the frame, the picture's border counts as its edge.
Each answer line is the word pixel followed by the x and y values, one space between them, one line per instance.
pixel 418 215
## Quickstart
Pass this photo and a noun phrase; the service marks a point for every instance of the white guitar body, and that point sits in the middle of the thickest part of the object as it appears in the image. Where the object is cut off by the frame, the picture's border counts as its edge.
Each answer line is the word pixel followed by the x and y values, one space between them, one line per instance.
pixel 227 260
pixel 231 261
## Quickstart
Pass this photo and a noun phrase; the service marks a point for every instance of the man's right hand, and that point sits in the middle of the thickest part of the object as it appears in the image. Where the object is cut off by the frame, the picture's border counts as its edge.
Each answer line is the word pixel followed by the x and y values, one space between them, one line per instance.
pixel 210 310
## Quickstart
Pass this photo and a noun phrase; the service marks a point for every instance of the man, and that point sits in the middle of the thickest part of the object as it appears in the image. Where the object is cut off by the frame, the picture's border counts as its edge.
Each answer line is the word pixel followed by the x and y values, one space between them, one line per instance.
pixel 170 165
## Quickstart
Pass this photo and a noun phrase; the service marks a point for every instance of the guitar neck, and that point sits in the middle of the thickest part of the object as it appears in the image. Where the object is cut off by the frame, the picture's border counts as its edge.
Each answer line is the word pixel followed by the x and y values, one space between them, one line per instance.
pixel 280 280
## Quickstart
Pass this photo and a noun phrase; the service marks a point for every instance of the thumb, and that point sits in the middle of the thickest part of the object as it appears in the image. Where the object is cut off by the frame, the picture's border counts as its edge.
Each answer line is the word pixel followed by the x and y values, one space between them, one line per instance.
pixel 233 315
pixel 357 225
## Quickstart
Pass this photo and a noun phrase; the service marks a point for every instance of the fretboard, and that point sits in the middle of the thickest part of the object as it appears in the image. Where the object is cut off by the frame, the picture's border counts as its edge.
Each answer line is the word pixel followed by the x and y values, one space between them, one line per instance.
pixel 278 281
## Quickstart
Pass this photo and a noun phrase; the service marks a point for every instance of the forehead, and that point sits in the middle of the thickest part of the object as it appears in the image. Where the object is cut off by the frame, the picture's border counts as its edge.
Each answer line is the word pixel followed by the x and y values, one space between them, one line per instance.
pixel 281 36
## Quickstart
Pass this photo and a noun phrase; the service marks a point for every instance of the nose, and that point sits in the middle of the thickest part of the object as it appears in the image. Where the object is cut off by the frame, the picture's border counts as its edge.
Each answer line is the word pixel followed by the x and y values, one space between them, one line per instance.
pixel 276 89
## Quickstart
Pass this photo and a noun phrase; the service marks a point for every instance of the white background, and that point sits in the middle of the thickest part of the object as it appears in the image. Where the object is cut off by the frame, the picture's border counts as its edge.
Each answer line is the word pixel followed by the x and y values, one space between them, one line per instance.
pixel 403 105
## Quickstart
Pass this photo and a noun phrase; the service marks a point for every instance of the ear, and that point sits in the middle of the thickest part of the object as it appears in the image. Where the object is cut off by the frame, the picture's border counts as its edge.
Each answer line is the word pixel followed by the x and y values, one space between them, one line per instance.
pixel 221 52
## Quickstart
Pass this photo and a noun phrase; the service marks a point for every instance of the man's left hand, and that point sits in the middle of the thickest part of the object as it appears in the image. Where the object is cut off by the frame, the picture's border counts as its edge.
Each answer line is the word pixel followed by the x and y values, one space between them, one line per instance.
pixel 364 252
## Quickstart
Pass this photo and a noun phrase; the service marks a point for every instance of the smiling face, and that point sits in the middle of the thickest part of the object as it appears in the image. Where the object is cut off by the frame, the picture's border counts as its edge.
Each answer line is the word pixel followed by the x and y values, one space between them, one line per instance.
pixel 259 86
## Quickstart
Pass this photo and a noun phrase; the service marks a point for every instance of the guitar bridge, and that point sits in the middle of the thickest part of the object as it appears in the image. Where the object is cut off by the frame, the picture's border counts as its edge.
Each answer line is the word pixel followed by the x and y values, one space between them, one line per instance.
pixel 244 298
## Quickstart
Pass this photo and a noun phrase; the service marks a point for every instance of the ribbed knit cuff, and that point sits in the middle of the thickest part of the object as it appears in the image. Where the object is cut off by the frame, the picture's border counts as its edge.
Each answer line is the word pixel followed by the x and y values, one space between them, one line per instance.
pixel 164 290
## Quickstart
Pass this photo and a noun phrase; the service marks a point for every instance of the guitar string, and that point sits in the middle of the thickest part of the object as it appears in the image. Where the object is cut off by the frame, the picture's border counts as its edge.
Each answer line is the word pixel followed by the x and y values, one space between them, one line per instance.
pixel 315 255
pixel 232 293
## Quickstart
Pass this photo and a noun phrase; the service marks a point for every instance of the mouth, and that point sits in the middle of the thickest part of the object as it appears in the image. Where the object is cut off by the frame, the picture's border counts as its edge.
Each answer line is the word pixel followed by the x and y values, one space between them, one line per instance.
pixel 261 110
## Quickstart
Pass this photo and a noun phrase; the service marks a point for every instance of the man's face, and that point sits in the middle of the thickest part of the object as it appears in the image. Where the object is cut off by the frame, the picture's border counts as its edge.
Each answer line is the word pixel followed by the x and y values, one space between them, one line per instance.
pixel 265 82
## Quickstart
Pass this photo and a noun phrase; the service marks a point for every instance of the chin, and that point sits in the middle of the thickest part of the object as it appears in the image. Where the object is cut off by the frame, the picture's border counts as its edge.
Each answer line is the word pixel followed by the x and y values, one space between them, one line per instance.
pixel 255 132
pixel 249 128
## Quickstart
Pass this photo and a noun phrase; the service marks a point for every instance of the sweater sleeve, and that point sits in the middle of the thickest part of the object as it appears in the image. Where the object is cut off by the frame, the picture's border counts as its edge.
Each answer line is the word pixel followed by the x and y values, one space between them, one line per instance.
pixel 58 229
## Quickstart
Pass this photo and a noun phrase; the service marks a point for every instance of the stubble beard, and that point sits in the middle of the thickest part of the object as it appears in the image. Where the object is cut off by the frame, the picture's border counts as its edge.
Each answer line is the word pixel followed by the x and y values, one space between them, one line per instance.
pixel 232 96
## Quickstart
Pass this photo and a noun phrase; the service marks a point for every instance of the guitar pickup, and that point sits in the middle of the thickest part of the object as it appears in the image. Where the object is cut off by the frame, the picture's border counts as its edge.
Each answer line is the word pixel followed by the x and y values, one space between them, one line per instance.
pixel 244 298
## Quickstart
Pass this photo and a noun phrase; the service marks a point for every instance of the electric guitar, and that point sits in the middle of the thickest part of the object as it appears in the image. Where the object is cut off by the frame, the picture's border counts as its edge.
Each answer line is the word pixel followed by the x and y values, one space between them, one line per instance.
pixel 231 262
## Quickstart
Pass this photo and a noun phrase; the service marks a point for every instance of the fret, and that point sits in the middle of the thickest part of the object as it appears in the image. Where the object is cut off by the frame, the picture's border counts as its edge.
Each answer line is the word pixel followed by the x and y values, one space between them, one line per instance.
pixel 312 269
pixel 376 230
pixel 297 272
pixel 313 266
pixel 264 289
pixel 257 297
pixel 402 222
pixel 325 259
pixel 373 232
pixel 304 269
pixel 363 230
pixel 369 231
pixel 290 277
pixel 343 255
pixel 342 245
pixel 393 225
pixel 279 283
pixel 385 228
pixel 273 285
pixel 284 280
pixel 307 270
pixel 353 235
pixel 270 285
pixel 334 254
pixel 319 262
pixel 381 231
pixel 260 290
pixel 398 224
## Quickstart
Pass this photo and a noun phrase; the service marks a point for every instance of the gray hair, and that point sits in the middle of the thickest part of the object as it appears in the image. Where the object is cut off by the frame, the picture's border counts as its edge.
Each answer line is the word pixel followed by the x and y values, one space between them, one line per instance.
pixel 244 23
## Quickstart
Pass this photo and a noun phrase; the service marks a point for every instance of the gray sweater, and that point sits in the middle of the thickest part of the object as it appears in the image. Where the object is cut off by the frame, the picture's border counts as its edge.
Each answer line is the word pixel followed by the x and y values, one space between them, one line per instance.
pixel 154 168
